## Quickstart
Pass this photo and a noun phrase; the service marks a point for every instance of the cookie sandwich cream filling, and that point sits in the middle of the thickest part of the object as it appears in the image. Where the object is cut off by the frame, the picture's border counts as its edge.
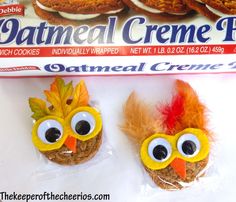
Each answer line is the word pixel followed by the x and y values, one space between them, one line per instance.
pixel 77 16
pixel 212 9
pixel 72 16
pixel 149 9
pixel 216 11
pixel 199 1
pixel 44 7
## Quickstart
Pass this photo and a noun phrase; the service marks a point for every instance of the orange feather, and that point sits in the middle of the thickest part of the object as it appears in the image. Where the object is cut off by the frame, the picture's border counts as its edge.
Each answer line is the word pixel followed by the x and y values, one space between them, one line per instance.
pixel 139 122
pixel 192 113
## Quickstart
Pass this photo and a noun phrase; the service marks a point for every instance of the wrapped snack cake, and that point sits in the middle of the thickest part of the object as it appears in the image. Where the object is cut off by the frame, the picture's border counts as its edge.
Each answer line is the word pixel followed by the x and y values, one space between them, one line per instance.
pixel 174 143
pixel 69 131
pixel 68 12
pixel 213 9
pixel 161 9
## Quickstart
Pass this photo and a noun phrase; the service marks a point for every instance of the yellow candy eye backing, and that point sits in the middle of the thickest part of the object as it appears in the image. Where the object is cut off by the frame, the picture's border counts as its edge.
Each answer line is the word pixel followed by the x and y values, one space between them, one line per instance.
pixel 159 150
pixel 48 133
pixel 196 138
pixel 150 144
pixel 85 123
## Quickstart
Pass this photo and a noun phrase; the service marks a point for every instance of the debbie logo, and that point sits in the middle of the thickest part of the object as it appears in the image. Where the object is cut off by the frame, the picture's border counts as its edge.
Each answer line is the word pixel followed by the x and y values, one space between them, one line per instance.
pixel 11 7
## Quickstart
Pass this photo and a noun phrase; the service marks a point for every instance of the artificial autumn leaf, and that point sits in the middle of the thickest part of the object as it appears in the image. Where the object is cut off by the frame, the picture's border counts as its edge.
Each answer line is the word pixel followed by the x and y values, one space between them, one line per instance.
pixel 63 99
pixel 58 96
pixel 39 108
pixel 80 96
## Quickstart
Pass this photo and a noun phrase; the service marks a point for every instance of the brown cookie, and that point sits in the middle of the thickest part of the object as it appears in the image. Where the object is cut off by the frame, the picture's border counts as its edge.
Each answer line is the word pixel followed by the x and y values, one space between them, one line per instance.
pixel 227 7
pixel 161 9
pixel 69 131
pixel 213 9
pixel 71 12
pixel 174 143
pixel 84 152
pixel 53 17
pixel 83 6
pixel 168 179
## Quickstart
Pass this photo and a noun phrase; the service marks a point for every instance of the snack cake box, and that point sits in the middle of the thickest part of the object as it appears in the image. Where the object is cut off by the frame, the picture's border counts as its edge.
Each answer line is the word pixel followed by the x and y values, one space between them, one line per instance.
pixel 77 37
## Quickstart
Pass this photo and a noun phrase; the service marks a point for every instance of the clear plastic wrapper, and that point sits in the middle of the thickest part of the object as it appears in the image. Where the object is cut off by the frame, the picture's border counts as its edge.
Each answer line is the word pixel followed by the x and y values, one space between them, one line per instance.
pixel 175 141
pixel 48 164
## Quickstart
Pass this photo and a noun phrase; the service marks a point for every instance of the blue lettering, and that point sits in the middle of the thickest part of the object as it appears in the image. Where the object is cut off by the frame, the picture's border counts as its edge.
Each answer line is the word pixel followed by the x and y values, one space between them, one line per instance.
pixel 80 31
pixel 97 33
pixel 54 67
pixel 127 30
pixel 160 32
pixel 26 35
pixel 181 32
pixel 58 33
pixel 9 27
pixel 228 25
pixel 156 67
pixel 201 31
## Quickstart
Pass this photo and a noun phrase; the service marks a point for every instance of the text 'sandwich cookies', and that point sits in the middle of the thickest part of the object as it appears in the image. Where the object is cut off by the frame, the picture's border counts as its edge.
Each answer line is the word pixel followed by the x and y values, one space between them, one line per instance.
pixel 72 11
pixel 213 9
pixel 161 9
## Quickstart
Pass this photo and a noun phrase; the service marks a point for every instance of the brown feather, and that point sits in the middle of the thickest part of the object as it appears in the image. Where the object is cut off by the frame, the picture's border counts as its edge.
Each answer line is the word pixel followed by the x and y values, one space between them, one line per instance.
pixel 139 122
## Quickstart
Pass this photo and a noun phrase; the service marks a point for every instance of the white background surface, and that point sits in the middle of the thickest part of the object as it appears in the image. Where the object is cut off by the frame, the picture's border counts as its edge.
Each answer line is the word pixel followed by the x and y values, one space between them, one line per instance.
pixel 116 169
pixel 120 174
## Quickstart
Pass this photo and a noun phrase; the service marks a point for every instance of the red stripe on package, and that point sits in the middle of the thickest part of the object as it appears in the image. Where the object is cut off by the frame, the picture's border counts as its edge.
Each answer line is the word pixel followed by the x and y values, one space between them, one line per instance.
pixel 75 51
pixel 19 68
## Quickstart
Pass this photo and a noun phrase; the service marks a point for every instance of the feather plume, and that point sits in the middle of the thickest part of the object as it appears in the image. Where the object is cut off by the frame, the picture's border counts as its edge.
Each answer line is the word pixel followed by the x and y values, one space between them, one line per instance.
pixel 139 122
pixel 185 110
pixel 173 112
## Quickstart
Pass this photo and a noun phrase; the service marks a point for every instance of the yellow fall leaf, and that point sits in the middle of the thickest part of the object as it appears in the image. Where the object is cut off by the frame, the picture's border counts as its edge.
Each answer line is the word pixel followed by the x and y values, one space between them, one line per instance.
pixel 80 96
pixel 62 97
pixel 58 96
pixel 39 108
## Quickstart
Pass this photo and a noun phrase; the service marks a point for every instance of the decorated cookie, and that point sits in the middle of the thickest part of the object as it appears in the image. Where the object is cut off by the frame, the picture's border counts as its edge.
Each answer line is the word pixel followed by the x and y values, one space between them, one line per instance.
pixel 72 11
pixel 174 141
pixel 213 9
pixel 69 131
pixel 161 9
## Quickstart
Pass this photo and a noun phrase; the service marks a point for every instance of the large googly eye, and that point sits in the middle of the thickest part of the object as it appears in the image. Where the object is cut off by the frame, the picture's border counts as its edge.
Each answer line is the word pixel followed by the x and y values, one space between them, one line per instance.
pixel 50 131
pixel 83 123
pixel 188 145
pixel 159 149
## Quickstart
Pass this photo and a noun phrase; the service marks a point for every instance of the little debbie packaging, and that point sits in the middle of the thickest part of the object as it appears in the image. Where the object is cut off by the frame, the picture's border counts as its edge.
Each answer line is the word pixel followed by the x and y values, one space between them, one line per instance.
pixel 115 30
pixel 182 51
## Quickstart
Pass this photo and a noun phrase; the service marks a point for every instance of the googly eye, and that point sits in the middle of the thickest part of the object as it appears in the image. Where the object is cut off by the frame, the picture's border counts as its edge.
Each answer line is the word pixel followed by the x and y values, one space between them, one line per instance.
pixel 83 123
pixel 50 131
pixel 188 145
pixel 159 149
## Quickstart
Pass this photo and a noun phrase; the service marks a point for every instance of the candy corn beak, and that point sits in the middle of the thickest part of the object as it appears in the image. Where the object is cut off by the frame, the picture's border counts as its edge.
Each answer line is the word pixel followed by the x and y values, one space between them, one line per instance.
pixel 179 167
pixel 71 143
